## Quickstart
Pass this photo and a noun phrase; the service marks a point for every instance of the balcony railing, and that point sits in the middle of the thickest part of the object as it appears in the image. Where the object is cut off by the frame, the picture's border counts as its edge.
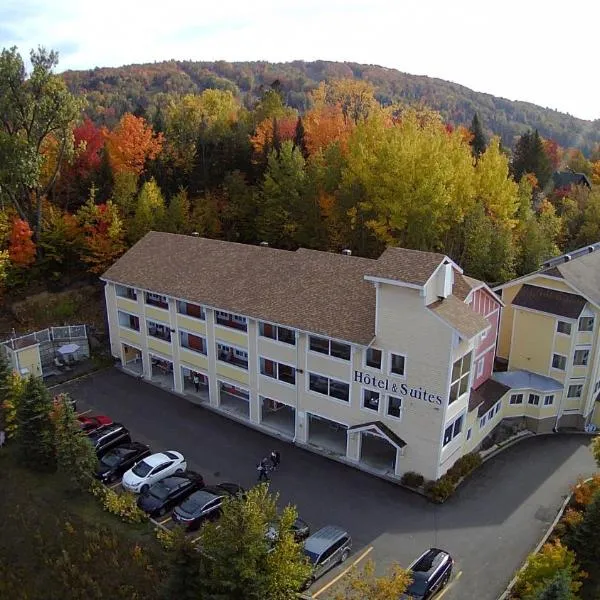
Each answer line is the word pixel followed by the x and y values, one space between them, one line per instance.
pixel 232 359
pixel 158 301
pixel 231 322
pixel 159 333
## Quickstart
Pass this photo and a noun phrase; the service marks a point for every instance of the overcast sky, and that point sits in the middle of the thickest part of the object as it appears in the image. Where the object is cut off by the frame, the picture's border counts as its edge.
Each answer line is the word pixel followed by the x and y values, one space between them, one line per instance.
pixel 534 50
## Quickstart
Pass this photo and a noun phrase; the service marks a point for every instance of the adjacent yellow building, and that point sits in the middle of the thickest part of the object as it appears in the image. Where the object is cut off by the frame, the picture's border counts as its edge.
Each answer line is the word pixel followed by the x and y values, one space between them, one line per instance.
pixel 369 361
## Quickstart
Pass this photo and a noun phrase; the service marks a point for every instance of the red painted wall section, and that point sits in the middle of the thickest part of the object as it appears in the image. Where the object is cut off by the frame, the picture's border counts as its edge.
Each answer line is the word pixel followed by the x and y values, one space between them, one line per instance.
pixel 487 305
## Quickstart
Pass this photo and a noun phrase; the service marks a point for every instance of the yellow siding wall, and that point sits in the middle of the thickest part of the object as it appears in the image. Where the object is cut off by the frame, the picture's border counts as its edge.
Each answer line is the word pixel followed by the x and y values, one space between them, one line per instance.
pixel 271 388
pixel 129 334
pixel 193 358
pixel 157 314
pixel 191 324
pixel 554 284
pixel 283 353
pixel 29 358
pixel 562 344
pixel 158 345
pixel 532 342
pixel 506 320
pixel 231 336
pixel 323 364
pixel 127 305
pixel 232 373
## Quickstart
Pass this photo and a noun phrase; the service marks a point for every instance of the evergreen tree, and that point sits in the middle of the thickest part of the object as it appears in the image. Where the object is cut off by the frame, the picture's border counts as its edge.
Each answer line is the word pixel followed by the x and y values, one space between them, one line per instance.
pixel 276 138
pixel 10 406
pixel 557 588
pixel 530 157
pixel 300 138
pixel 478 141
pixel 75 456
pixel 182 581
pixel 585 539
pixel 150 211
pixel 35 433
pixel 5 372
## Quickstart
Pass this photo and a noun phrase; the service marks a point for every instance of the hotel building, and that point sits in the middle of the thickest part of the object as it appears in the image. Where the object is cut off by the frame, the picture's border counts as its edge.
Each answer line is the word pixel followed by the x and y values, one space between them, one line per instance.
pixel 369 361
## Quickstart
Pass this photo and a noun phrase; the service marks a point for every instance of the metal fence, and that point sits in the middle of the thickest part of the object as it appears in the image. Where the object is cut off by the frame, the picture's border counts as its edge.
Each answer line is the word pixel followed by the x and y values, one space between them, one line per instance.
pixel 69 332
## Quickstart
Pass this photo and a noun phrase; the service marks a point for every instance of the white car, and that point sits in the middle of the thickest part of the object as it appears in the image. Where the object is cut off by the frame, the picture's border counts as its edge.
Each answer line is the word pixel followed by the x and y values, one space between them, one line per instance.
pixel 151 469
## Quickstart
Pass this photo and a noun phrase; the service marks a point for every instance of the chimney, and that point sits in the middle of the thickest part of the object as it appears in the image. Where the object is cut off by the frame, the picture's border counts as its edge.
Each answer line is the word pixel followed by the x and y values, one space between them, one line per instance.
pixel 347 252
pixel 445 281
pixel 264 244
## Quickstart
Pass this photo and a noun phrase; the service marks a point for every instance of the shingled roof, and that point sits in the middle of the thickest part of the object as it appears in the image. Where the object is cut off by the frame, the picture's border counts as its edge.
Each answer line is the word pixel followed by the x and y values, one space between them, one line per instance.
pixel 550 301
pixel 320 292
pixel 486 395
pixel 460 317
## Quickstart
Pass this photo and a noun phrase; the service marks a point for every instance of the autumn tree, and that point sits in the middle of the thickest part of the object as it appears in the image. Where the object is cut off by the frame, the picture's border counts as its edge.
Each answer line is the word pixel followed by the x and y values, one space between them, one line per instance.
pixel 576 161
pixel 585 539
pixel 131 143
pixel 270 134
pixel 5 376
pixel 240 210
pixel 362 583
pixel 102 234
pixel 557 588
pixel 589 231
pixel 595 448
pixel 37 110
pixel 21 247
pixel 178 213
pixel 124 192
pixel 478 141
pixel 150 211
pixel 35 432
pixel 355 97
pixel 14 391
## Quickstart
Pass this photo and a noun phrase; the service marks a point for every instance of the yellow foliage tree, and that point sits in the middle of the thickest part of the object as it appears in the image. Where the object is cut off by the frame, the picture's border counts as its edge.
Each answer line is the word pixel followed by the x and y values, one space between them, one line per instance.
pixel 362 584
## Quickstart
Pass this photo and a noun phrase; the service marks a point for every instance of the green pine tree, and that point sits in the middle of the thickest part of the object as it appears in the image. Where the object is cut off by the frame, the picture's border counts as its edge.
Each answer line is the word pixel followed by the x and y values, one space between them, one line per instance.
pixel 35 433
pixel 557 588
pixel 5 378
pixel 585 539
pixel 478 141
pixel 183 578
pixel 300 138
pixel 530 157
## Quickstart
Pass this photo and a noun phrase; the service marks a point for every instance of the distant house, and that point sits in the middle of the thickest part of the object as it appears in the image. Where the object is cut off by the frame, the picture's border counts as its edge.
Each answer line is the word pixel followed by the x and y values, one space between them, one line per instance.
pixel 567 179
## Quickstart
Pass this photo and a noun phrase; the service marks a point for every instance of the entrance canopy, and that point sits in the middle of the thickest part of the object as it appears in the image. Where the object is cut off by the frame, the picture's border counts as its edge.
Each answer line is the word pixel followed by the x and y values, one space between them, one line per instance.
pixel 380 429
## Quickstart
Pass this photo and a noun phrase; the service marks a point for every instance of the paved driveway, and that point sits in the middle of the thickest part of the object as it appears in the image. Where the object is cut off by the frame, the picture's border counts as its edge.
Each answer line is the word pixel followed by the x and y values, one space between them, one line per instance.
pixel 489 526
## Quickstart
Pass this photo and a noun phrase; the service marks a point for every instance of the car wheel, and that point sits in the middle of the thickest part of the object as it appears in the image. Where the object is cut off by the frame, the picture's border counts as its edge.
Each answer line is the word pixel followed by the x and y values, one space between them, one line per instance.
pixel 345 555
pixel 144 489
pixel 179 470
pixel 161 512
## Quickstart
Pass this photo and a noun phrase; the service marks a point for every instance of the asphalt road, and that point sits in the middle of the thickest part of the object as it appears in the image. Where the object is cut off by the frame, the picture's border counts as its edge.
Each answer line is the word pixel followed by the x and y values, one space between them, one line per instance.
pixel 489 526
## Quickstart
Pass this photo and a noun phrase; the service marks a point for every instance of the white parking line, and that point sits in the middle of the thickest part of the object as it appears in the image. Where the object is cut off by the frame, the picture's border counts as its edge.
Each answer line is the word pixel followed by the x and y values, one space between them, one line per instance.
pixel 85 412
pixel 164 520
pixel 112 486
pixel 335 579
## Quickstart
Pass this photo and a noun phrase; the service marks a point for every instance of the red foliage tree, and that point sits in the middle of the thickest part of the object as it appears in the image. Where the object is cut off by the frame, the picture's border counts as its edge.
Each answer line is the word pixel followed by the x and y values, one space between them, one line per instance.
pixel 21 248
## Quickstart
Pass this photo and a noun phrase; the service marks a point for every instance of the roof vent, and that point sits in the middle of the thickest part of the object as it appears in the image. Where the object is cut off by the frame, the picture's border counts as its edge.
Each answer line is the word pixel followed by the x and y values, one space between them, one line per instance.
pixel 347 252
pixel 265 244
pixel 195 234
pixel 567 257
pixel 591 248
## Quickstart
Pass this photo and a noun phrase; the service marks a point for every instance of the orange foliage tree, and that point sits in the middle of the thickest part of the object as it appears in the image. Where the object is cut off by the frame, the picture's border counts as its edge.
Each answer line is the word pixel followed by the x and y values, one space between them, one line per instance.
pixel 21 248
pixel 131 143
pixel 262 141
pixel 326 124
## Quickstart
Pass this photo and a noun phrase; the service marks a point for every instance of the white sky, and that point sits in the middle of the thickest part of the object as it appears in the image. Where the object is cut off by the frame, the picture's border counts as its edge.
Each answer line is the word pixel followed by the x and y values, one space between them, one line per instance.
pixel 534 50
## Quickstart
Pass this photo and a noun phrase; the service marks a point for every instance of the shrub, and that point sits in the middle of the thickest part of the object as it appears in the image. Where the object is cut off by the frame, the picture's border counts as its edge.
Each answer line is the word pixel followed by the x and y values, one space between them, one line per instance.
pixel 568 523
pixel 584 491
pixel 441 489
pixel 123 505
pixel 468 463
pixel 412 479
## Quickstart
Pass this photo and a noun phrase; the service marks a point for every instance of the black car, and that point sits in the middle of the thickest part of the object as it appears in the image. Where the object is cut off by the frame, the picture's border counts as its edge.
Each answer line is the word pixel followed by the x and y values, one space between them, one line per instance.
pixel 430 573
pixel 300 529
pixel 120 459
pixel 168 492
pixel 204 505
pixel 107 437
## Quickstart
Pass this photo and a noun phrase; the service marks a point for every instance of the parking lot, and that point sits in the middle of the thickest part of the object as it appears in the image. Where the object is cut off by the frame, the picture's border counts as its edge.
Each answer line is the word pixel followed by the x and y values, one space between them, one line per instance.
pixel 489 526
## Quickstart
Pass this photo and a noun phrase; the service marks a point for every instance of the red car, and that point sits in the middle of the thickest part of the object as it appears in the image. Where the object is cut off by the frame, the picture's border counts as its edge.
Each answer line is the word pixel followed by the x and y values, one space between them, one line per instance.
pixel 91 423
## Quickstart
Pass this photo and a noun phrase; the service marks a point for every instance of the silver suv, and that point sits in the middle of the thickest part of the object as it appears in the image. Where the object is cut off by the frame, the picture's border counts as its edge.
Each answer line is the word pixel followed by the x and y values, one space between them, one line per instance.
pixel 325 549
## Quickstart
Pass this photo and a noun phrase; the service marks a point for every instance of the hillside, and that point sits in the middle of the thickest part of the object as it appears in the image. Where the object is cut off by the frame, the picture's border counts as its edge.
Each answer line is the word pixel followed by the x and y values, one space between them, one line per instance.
pixel 112 91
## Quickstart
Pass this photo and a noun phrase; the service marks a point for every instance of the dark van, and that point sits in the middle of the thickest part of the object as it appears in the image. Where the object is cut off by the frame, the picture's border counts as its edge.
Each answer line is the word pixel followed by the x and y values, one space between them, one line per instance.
pixel 430 573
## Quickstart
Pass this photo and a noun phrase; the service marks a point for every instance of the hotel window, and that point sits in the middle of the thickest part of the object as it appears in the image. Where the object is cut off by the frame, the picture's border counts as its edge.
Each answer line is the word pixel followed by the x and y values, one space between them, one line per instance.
pixel 534 399
pixel 498 408
pixel 453 430
pixel 371 400
pixel 191 310
pixel 482 422
pixel 329 387
pixel 230 320
pixel 548 400
pixel 490 414
pixel 469 431
pixel 156 300
pixel 325 346
pixel 580 358
pixel 586 323
pixel 278 371
pixel 192 342
pixel 125 292
pixel 373 358
pixel 398 365
pixel 160 331
pixel 575 391
pixel 394 407
pixel 563 327
pixel 516 399
pixel 129 321
pixel 559 362
pixel 460 377
pixel 480 365
pixel 232 355
pixel 273 332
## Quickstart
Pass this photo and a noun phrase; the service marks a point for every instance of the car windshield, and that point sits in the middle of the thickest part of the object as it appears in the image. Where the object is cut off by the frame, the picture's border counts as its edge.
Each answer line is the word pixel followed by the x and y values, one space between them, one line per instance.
pixel 195 502
pixel 312 556
pixel 160 491
pixel 112 459
pixel 142 469
pixel 418 586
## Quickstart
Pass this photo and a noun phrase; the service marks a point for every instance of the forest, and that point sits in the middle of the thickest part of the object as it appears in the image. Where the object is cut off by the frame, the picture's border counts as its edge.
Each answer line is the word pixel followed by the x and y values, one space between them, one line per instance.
pixel 345 171
pixel 113 91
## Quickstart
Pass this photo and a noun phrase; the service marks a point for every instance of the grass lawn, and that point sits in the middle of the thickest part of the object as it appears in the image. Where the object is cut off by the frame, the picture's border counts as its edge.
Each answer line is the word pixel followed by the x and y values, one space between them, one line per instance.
pixel 56 543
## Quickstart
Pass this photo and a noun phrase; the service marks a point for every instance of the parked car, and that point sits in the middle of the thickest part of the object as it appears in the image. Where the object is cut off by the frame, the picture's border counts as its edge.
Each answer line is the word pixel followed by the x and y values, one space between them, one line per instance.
pixel 204 505
pixel 107 437
pixel 168 492
pixel 91 423
pixel 118 460
pixel 325 549
pixel 151 469
pixel 430 573
pixel 300 529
